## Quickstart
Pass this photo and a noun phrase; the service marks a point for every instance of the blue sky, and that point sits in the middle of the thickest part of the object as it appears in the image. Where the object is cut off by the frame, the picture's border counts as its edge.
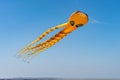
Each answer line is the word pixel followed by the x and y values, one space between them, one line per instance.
pixel 92 51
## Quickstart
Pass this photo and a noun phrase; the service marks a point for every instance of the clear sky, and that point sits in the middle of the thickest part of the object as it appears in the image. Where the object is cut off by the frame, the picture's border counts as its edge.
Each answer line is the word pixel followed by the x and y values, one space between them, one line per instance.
pixel 92 51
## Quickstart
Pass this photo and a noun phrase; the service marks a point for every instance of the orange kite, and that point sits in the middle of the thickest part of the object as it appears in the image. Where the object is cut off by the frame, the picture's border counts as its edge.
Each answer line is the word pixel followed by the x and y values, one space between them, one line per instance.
pixel 76 20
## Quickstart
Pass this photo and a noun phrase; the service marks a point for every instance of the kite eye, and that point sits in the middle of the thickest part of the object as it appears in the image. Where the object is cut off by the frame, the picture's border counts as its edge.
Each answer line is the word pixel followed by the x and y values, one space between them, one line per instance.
pixel 72 23
pixel 79 25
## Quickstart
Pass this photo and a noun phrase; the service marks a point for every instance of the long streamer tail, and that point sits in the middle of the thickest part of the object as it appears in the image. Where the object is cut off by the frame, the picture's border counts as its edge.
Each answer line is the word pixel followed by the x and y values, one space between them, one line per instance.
pixel 34 50
pixel 29 48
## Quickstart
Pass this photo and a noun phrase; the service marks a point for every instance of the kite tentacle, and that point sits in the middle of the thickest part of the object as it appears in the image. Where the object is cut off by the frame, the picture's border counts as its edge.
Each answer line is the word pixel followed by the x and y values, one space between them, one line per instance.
pixel 28 47
pixel 47 32
pixel 48 43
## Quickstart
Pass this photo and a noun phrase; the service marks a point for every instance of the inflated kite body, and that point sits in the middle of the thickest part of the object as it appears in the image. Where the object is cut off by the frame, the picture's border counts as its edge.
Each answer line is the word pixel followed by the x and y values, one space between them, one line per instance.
pixel 76 20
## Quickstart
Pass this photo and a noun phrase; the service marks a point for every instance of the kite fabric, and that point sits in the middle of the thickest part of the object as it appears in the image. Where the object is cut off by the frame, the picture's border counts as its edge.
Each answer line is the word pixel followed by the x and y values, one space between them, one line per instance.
pixel 76 20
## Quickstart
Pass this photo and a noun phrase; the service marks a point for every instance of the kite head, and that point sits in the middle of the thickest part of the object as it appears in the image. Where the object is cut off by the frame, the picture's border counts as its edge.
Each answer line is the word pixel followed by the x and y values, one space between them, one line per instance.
pixel 77 19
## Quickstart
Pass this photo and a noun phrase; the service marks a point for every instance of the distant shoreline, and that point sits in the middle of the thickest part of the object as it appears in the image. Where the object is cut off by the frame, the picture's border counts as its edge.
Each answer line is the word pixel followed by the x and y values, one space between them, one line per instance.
pixel 59 79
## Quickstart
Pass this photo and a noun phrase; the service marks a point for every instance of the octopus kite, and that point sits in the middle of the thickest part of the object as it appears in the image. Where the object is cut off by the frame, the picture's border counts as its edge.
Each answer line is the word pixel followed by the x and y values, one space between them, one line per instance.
pixel 76 20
